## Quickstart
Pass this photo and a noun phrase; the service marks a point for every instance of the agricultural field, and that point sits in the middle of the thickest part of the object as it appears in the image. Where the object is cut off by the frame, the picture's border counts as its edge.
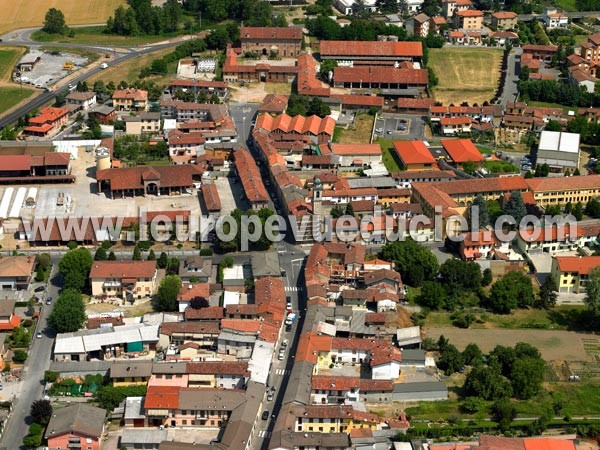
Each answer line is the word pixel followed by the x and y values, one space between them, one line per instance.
pixel 130 70
pixel 30 13
pixel 94 35
pixel 10 93
pixel 465 74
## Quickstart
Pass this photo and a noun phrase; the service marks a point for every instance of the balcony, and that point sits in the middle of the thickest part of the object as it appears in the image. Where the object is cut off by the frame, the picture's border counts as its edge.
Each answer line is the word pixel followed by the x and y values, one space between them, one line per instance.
pixel 112 284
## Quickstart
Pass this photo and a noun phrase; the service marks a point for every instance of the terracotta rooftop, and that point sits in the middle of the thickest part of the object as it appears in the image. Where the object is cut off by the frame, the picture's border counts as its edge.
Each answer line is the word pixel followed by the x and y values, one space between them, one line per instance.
pixel 123 269
pixel 577 264
pixel 375 74
pixel 270 33
pixel 250 176
pixel 372 49
pixel 413 152
pixel 461 150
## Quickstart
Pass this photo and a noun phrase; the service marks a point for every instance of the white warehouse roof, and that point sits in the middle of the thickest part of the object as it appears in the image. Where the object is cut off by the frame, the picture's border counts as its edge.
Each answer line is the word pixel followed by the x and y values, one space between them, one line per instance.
pixel 559 142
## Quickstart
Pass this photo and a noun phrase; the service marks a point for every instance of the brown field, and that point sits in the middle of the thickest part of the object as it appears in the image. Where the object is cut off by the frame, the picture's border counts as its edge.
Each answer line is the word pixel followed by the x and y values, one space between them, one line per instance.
pixel 30 13
pixel 465 74
pixel 553 344
pixel 360 131
pixel 130 70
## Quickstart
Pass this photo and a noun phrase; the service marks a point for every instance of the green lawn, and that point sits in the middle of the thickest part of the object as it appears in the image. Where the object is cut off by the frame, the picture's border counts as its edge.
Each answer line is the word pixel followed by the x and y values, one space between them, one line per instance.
pixel 11 96
pixel 8 59
pixel 566 5
pixel 500 167
pixel 95 36
pixel 388 154
pixel 553 105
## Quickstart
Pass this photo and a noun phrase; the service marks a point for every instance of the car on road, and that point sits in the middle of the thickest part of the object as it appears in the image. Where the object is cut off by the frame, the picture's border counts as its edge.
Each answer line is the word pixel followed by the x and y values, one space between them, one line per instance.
pixel 284 343
pixel 38 335
pixel 289 306
pixel 379 130
pixel 39 289
pixel 281 356
pixel 265 415
pixel 104 66
pixel 49 301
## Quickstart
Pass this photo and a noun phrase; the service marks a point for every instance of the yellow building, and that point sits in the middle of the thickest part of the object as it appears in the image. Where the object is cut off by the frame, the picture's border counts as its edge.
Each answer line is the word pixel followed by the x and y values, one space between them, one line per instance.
pixel 136 279
pixel 571 272
pixel 334 419
pixel 469 19
pixel 505 20
pixel 127 373
pixel 130 100
pixel 560 191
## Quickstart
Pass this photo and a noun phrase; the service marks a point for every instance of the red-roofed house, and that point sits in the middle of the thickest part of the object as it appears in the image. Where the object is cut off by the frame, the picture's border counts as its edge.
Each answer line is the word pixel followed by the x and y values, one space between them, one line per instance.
pixel 414 155
pixel 504 20
pixel 185 147
pixel 373 52
pixel 356 154
pixel 461 151
pixel 251 179
pixel 379 77
pixel 477 245
pixel 212 201
pixel 453 125
pixel 130 100
pixel 48 121
pixel 122 279
pixel 571 272
pixel 190 292
pixel 469 19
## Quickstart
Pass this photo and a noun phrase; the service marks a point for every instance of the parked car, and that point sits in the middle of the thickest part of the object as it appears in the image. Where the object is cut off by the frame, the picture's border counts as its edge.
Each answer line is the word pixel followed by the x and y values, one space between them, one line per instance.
pixel 40 289
pixel 38 335
pixel 49 301
pixel 265 415
pixel 288 328
pixel 270 397
pixel 284 343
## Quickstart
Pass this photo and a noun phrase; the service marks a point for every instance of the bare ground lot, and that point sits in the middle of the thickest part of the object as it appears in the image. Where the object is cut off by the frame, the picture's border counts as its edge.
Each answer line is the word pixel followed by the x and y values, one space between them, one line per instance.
pixel 465 74
pixel 30 13
pixel 553 344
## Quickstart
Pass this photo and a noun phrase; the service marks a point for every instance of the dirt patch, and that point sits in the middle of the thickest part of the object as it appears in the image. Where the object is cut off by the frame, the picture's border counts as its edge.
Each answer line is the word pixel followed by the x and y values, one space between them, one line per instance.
pixel 553 344
pixel 360 131
pixel 256 92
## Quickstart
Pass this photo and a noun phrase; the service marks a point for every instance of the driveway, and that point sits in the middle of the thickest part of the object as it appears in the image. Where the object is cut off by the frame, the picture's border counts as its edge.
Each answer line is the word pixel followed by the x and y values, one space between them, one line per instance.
pixel 510 90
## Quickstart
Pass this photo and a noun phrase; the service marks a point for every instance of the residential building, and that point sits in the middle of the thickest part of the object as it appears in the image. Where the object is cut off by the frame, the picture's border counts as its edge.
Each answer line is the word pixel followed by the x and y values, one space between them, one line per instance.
pixel 8 320
pixel 251 179
pixel 414 155
pixel 453 125
pixel 200 86
pixel 146 122
pixel 539 52
pixel 47 122
pixel 273 104
pixel 81 100
pixel 127 373
pixel 186 148
pixel 561 190
pixel 477 245
pixel 130 99
pixel 560 151
pixel 76 426
pixel 123 279
pixel 469 19
pixel 555 19
pixel 571 272
pixel 197 267
pixel 190 292
pixel 15 271
pixel 284 41
pixel 505 20
pixel 353 154
pixel 418 25
pixel 104 114
pixel 374 77
pixel 450 7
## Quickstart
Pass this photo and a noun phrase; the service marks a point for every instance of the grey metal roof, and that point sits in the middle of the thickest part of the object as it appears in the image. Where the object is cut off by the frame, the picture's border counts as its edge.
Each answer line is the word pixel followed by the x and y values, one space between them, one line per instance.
pixel 234 337
pixel 210 399
pixel 80 418
pixel 169 368
pixel 365 182
pixel 132 436
pixel 299 384
pixel 413 355
pixel 80 366
pixel 134 408
pixel 131 368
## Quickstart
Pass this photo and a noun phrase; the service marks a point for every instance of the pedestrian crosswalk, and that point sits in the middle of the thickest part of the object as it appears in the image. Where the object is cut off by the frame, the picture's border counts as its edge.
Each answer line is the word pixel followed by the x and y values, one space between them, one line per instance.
pixel 264 434
pixel 282 372
pixel 292 289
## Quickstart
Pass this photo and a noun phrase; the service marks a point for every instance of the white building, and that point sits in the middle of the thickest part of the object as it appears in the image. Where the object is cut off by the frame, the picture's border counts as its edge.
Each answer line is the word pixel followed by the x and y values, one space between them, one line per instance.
pixel 555 19
pixel 559 150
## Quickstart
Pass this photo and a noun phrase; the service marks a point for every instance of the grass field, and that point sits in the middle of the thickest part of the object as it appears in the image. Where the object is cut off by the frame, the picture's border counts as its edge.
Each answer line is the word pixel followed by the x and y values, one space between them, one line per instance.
pixel 388 154
pixel 10 93
pixel 566 5
pixel 30 13
pixel 95 36
pixel 465 74
pixel 566 109
pixel 130 70
pixel 11 96
pixel 360 131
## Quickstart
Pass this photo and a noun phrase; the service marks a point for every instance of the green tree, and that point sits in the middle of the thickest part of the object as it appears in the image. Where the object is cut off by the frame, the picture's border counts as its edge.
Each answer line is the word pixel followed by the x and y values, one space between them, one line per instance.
pixel 41 411
pixel 547 296
pixel 75 268
pixel 163 261
pixel 592 208
pixel 415 263
pixel 349 209
pixel 592 291
pixel 54 22
pixel 511 291
pixel 167 293
pixel 578 211
pixel 137 254
pixel 472 354
pixel 553 125
pixel 100 254
pixel 39 274
pixel 68 314
pixel 432 296
pixel 327 66
pixel 486 382
pixel 19 356
pixel 527 376
pixel 487 277
pixel 515 207
pixel 458 275
pixel 112 256
pixel 479 210
pixel 151 255
pixel 451 360
pixel 504 413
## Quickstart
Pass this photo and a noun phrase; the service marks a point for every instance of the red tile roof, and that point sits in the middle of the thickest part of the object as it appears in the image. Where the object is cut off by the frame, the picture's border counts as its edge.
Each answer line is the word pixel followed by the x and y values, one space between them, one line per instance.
pixel 372 49
pixel 199 84
pixel 469 13
pixel 376 385
pixel 461 150
pixel 413 152
pixel 564 184
pixel 48 115
pixel 208 313
pixel 194 327
pixel 505 15
pixel 9 163
pixel 355 149
pixel 123 269
pixel 130 94
pixel 310 345
pixel 210 194
pixel 375 74
pixel 274 103
pixel 270 33
pixel 133 177
pixel 460 120
pixel 414 103
pixel 307 81
pixel 162 397
pixel 579 264
pixel 284 123
pixel 190 291
pixel 360 100
pixel 250 176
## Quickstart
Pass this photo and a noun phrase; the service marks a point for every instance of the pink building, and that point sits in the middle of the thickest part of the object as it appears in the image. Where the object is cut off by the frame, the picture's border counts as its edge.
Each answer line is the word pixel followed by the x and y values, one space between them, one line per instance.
pixel 76 426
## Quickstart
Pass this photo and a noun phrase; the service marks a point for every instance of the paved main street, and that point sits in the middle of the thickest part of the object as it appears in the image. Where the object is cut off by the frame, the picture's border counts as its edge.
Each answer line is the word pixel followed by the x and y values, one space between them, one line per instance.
pixel 32 384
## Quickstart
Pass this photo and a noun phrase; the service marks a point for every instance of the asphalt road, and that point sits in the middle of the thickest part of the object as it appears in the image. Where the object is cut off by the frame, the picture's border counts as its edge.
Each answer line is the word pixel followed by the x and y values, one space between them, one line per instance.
pixel 33 375
pixel 23 37
pixel 511 84
pixel 243 114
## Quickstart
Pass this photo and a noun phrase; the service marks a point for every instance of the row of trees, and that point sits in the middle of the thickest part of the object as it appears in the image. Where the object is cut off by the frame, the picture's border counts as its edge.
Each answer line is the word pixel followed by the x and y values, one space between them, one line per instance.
pixel 551 91
pixel 143 18
pixel 304 105
pixel 253 13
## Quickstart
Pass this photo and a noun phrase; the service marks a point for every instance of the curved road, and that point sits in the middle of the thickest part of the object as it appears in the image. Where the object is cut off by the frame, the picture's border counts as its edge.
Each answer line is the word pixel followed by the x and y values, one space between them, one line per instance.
pixel 22 38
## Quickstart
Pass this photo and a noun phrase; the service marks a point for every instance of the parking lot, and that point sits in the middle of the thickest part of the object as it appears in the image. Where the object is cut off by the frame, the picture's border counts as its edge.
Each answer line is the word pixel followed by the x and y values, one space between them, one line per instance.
pixel 400 126
pixel 50 68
